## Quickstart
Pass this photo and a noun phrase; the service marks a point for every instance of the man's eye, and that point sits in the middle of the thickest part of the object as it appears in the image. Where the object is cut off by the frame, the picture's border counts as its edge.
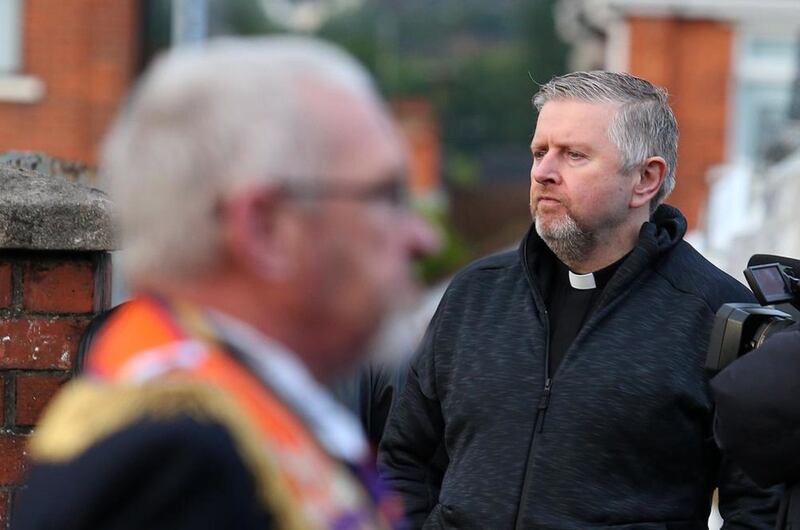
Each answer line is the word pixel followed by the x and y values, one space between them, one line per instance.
pixel 575 155
pixel 538 155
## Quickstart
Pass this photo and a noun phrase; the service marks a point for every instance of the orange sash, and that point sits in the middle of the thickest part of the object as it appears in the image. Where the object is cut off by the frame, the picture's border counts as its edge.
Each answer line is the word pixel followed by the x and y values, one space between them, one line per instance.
pixel 148 341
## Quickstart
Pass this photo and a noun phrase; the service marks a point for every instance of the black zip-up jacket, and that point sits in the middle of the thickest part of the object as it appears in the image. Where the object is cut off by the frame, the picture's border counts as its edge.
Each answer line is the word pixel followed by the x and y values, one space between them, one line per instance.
pixel 620 437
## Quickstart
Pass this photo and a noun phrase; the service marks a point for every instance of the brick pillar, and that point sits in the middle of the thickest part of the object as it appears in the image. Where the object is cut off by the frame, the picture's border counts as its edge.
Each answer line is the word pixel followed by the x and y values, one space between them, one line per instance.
pixel 55 273
pixel 421 131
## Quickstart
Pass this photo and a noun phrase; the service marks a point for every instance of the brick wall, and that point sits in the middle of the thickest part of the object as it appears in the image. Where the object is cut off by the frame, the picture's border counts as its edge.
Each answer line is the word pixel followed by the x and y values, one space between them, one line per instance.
pixel 55 275
pixel 85 52
pixel 692 59
pixel 46 301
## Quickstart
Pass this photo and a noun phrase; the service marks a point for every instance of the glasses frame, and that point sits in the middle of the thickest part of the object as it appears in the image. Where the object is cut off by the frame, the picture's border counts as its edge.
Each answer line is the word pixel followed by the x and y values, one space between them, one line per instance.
pixel 392 192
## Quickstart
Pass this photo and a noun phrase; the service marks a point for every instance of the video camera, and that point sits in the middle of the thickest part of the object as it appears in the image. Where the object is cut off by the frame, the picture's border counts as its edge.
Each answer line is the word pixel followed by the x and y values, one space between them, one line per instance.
pixel 740 328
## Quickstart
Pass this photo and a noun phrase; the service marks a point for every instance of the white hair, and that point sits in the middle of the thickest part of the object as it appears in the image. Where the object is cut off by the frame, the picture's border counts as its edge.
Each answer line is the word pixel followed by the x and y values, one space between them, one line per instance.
pixel 209 120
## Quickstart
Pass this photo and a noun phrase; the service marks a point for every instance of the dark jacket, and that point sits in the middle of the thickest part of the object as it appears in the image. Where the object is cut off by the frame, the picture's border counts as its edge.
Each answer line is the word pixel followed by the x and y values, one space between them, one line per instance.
pixel 369 394
pixel 619 438
pixel 179 473
pixel 758 416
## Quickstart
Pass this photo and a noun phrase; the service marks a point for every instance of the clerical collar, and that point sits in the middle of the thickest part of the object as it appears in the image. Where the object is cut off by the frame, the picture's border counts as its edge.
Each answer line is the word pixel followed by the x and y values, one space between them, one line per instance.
pixel 582 281
pixel 593 280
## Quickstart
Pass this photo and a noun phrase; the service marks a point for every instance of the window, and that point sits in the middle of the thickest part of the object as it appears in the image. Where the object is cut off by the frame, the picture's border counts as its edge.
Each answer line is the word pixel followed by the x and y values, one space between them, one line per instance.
pixel 766 69
pixel 10 35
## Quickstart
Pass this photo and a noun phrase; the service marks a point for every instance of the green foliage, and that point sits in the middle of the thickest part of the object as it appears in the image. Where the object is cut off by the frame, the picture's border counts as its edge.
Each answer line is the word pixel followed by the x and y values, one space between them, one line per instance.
pixel 453 254
pixel 240 17
pixel 463 169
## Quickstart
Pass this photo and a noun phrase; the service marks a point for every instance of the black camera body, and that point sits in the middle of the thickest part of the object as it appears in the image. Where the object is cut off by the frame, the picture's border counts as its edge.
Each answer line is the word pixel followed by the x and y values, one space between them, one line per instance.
pixel 740 328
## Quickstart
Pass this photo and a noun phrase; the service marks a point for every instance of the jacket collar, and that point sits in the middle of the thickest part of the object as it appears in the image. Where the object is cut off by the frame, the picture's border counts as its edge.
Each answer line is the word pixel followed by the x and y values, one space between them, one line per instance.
pixel 661 233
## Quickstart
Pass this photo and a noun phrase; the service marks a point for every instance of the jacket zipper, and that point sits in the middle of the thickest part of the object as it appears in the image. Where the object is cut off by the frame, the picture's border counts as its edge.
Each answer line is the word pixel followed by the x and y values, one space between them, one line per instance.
pixel 544 400
pixel 541 409
pixel 543 403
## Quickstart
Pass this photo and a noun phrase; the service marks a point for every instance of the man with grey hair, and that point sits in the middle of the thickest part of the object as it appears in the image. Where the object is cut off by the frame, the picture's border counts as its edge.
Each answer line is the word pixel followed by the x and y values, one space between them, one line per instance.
pixel 260 194
pixel 562 386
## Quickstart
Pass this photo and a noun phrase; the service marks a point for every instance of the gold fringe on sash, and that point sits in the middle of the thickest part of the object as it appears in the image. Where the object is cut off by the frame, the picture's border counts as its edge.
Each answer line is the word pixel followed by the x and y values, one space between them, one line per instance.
pixel 86 412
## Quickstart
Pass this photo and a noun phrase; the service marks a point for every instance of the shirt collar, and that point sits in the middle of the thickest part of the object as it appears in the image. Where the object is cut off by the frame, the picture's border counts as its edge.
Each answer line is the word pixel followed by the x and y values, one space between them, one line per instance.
pixel 334 427
pixel 592 280
pixel 582 281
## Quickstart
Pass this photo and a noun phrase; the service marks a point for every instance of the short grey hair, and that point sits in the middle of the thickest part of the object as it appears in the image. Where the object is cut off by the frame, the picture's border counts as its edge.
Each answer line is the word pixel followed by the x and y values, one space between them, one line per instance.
pixel 643 126
pixel 207 121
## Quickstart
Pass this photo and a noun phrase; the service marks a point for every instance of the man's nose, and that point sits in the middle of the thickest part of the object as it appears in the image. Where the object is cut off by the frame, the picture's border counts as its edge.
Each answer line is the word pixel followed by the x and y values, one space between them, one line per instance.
pixel 545 169
pixel 422 239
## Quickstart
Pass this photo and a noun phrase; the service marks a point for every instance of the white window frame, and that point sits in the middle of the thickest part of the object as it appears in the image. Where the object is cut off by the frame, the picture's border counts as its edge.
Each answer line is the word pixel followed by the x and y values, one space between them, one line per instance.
pixel 14 86
pixel 759 83
pixel 10 36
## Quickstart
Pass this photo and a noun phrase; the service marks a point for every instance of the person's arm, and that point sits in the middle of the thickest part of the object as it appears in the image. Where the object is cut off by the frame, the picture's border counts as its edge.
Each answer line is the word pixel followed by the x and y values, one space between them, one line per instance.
pixel 411 456
pixel 757 426
pixel 757 413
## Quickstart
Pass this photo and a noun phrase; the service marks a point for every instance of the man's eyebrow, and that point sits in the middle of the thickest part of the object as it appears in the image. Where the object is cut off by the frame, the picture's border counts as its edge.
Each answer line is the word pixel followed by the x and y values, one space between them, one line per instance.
pixel 564 145
pixel 579 146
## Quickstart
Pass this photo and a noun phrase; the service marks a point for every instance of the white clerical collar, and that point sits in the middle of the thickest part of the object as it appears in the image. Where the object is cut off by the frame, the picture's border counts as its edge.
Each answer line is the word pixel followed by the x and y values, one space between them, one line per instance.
pixel 582 281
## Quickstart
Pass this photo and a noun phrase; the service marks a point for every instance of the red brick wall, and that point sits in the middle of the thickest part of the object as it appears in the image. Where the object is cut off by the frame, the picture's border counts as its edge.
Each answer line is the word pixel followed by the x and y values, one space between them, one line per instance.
pixel 46 301
pixel 85 52
pixel 692 59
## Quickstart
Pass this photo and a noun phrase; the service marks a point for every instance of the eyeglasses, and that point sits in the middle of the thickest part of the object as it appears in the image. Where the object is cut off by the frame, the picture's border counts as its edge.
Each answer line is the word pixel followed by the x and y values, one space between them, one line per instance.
pixel 391 192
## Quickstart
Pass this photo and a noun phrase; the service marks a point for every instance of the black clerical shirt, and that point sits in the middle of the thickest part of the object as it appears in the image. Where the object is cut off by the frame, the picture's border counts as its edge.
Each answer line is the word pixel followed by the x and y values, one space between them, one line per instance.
pixel 569 306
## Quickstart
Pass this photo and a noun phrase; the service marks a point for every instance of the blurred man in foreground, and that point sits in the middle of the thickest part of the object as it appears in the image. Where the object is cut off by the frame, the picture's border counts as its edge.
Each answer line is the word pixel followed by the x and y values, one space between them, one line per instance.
pixel 562 386
pixel 260 191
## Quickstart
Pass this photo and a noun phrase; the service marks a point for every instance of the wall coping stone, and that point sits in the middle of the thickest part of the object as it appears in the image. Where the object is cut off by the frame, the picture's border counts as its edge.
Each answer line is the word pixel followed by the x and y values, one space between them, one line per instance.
pixel 49 165
pixel 43 212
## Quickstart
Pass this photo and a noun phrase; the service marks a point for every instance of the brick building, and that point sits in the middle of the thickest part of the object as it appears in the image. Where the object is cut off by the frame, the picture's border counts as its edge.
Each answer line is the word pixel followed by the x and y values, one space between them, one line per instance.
pixel 64 68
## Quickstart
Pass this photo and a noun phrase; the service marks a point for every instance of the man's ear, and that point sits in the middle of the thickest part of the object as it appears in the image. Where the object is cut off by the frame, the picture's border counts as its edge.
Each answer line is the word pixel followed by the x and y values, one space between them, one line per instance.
pixel 255 232
pixel 649 178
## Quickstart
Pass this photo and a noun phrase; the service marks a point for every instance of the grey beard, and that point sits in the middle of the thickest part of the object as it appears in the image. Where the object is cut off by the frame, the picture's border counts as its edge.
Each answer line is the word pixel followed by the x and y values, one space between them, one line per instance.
pixel 568 241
